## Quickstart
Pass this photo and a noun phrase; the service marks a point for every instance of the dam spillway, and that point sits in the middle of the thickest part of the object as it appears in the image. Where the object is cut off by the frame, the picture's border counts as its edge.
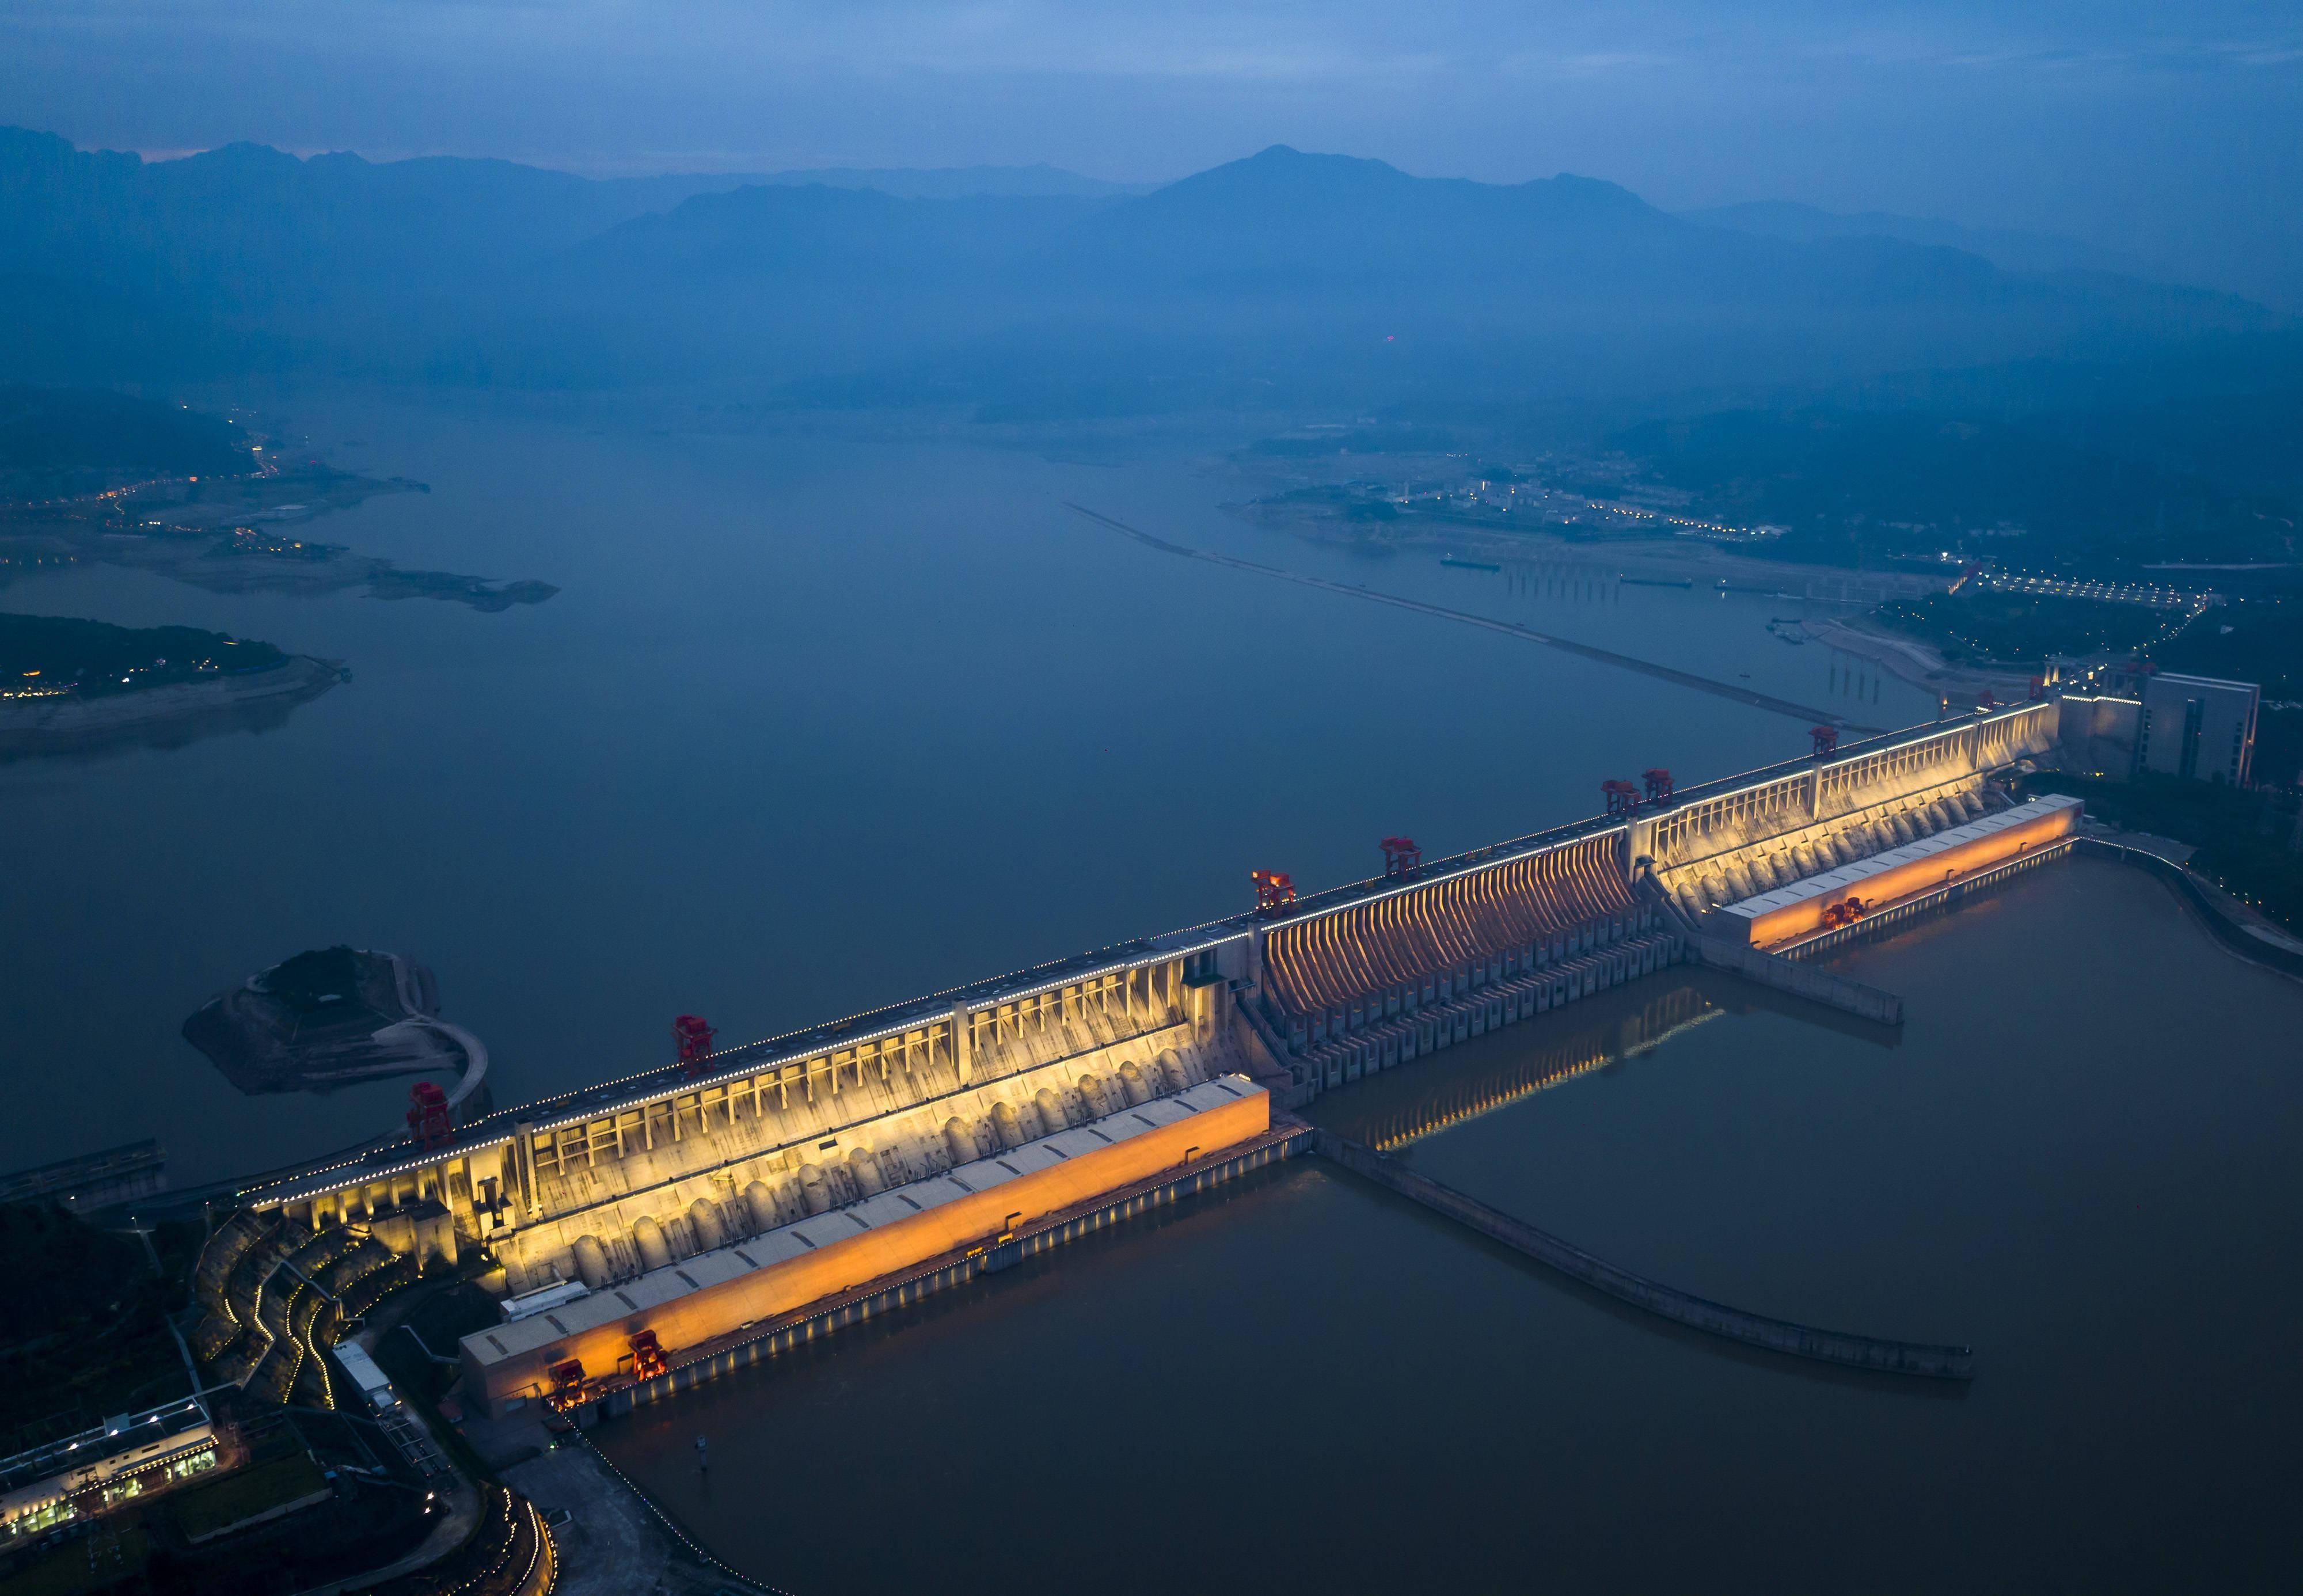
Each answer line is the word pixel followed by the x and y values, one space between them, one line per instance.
pixel 617 1188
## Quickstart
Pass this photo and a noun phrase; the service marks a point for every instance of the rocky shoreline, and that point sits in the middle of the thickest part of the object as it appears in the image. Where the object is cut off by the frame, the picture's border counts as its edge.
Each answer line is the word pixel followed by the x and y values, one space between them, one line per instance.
pixel 164 716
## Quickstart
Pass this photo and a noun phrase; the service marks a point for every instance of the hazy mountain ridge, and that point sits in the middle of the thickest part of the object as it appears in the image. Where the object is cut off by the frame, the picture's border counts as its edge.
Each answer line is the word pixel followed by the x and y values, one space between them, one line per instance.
pixel 252 228
pixel 2009 249
pixel 1039 181
pixel 58 441
pixel 1316 273
pixel 820 234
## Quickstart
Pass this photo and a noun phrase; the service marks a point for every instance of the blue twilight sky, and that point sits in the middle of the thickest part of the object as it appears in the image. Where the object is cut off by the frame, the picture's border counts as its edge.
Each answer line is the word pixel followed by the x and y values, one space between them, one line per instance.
pixel 2173 131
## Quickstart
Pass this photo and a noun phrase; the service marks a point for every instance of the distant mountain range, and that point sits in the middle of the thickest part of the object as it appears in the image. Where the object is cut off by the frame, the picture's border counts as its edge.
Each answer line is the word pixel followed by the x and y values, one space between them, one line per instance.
pixel 1039 181
pixel 2009 249
pixel 1282 277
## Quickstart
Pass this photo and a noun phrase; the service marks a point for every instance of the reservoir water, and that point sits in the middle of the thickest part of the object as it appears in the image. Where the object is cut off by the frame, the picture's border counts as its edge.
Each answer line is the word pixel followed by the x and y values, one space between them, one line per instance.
pixel 818 722
pixel 815 723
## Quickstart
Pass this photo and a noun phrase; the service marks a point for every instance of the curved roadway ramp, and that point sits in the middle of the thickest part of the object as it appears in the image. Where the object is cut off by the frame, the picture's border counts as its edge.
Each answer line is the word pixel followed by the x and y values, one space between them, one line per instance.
pixel 1917 1359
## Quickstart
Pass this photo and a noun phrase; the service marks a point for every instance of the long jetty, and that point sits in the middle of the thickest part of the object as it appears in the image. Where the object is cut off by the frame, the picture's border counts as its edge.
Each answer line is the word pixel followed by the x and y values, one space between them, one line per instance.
pixel 1916 1359
pixel 1510 629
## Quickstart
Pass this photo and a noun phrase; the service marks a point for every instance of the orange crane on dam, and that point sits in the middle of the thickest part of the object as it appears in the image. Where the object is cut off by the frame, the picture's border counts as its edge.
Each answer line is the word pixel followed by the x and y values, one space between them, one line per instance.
pixel 1275 891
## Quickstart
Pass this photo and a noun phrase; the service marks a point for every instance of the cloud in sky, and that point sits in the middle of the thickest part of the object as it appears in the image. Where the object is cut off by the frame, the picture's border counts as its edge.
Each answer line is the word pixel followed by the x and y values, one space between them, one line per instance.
pixel 2173 133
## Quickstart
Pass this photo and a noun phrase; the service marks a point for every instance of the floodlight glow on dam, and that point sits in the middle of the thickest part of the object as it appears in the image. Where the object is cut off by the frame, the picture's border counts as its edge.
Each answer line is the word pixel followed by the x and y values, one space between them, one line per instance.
pixel 682 1217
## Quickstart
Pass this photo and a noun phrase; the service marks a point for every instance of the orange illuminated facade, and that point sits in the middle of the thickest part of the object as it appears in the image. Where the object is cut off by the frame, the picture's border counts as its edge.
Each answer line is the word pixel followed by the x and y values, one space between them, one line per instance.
pixel 1841 897
pixel 751 1282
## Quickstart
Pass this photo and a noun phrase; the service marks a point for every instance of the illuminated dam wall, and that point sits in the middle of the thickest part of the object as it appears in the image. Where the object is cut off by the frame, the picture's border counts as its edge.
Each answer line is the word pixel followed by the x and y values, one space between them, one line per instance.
pixel 1789 916
pixel 1767 831
pixel 626 1180
pixel 1395 1110
pixel 605 1184
pixel 731 1284
pixel 1371 976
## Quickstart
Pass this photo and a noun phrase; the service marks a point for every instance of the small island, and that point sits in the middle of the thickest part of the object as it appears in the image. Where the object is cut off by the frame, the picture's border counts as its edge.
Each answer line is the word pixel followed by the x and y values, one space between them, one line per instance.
pixel 334 1016
pixel 69 685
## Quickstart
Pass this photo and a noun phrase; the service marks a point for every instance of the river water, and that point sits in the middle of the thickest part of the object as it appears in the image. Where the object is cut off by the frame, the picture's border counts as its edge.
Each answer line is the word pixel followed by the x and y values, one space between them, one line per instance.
pixel 818 724
pixel 815 724
pixel 1306 1384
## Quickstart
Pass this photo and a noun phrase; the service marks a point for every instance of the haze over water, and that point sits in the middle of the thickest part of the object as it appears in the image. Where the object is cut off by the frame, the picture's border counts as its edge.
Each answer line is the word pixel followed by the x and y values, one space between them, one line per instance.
pixel 815 724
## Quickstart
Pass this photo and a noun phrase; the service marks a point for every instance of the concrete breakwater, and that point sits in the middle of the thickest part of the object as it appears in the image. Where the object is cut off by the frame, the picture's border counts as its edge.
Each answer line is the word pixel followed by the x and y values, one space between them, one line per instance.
pixel 1773 969
pixel 1917 1359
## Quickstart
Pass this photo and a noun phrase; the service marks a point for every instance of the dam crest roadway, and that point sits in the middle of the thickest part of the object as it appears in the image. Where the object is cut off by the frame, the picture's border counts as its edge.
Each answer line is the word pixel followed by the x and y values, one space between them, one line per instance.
pixel 643 1226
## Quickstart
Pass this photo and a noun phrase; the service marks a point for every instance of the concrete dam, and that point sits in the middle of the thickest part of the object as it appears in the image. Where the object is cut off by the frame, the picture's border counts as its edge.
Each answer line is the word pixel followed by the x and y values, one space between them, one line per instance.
pixel 685 1218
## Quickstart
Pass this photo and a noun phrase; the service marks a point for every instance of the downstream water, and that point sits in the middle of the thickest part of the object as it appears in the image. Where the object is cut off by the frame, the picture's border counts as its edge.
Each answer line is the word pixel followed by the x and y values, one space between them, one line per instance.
pixel 813 725
pixel 1306 1384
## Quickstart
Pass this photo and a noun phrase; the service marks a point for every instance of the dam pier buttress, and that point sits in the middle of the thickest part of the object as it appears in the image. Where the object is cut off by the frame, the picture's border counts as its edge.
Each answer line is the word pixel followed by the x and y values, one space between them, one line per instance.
pixel 679 1221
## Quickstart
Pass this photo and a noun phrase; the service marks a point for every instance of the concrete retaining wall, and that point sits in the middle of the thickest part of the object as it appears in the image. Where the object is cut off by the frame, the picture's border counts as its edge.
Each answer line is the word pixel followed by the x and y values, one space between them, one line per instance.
pixel 2219 923
pixel 1481 996
pixel 1915 1358
pixel 1801 980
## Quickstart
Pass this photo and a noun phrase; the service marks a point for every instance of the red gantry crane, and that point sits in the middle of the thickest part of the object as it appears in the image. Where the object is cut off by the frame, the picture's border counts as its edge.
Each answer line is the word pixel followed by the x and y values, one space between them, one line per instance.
pixel 1401 857
pixel 694 1035
pixel 568 1389
pixel 1622 798
pixel 1658 784
pixel 430 1122
pixel 1845 912
pixel 648 1359
pixel 1275 890
pixel 1826 739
